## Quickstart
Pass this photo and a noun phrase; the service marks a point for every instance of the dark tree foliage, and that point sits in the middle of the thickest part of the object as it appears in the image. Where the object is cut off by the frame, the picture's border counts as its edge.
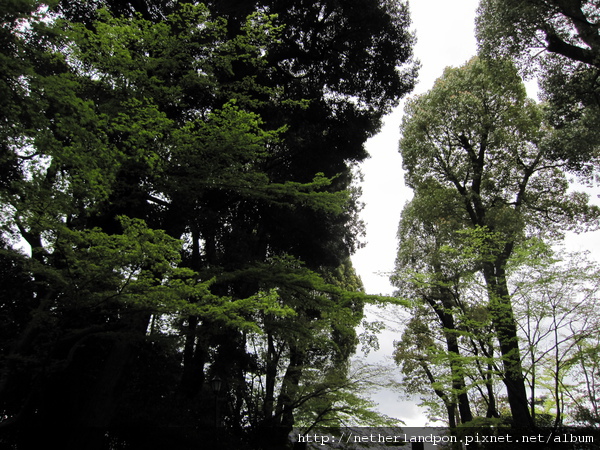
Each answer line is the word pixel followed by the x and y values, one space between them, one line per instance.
pixel 183 177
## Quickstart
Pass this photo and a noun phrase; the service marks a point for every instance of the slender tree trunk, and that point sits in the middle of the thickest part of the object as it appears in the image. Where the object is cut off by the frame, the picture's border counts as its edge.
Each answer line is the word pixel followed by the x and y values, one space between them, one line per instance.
pixel 442 307
pixel 458 379
pixel 448 401
pixel 492 409
pixel 506 331
pixel 272 362
pixel 194 359
pixel 289 388
pixel 274 435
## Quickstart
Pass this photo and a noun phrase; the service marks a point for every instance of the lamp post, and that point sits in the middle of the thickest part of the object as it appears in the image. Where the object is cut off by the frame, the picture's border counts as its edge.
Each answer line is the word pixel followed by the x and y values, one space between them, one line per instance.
pixel 215 385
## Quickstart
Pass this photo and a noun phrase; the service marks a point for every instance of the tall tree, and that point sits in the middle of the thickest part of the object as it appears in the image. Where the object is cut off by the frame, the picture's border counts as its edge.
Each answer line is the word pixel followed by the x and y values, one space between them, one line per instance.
pixel 100 142
pixel 475 132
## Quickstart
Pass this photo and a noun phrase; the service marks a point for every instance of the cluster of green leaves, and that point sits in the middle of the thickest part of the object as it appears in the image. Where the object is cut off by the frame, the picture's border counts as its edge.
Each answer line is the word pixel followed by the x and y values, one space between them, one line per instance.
pixel 558 42
pixel 70 160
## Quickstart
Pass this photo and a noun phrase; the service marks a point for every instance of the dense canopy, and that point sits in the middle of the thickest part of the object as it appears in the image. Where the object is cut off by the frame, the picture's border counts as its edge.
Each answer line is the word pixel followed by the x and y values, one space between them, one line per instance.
pixel 178 205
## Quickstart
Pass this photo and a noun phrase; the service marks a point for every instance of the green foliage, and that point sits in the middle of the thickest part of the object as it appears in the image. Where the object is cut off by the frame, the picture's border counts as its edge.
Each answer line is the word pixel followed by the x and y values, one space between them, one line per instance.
pixel 335 400
pixel 137 269
pixel 521 28
pixel 558 41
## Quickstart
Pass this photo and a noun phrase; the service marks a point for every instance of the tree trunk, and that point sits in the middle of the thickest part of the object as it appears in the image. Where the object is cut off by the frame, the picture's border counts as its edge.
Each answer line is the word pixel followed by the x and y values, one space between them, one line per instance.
pixel 492 409
pixel 272 361
pixel 289 388
pixel 506 330
pixel 442 307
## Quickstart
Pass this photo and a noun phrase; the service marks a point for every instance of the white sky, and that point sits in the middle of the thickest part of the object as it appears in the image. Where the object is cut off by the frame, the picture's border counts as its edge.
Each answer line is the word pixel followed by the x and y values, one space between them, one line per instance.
pixel 445 37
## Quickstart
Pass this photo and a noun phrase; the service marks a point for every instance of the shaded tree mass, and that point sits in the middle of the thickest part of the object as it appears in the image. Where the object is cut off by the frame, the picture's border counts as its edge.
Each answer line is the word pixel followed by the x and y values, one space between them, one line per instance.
pixel 177 207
